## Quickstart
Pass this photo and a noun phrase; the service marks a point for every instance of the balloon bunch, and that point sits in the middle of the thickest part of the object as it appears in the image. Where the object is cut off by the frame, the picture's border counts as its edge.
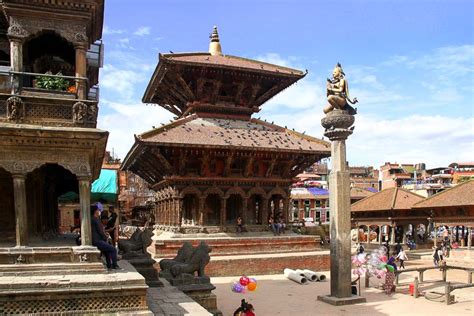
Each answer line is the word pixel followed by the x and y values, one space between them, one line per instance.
pixel 359 264
pixel 243 284
pixel 377 264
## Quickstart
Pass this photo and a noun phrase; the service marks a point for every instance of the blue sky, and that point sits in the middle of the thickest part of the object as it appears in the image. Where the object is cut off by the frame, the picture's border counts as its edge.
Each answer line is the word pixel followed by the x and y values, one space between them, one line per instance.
pixel 410 64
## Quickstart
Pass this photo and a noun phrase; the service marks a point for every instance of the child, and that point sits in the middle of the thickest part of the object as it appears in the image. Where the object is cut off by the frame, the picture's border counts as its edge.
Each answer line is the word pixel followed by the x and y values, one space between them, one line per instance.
pixel 402 256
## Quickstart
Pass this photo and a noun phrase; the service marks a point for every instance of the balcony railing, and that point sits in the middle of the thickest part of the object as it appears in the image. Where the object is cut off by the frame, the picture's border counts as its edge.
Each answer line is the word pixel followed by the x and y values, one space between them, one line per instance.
pixel 47 99
pixel 27 83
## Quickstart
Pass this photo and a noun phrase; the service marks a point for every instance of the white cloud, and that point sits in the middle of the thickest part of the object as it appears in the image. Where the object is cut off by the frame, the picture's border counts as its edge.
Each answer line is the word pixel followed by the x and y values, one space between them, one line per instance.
pixel 121 81
pixel 142 31
pixel 108 31
pixel 123 120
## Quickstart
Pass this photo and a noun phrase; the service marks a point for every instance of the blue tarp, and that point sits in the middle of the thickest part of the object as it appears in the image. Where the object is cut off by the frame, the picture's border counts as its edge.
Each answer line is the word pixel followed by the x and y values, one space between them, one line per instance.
pixel 105 187
pixel 318 191
pixel 372 190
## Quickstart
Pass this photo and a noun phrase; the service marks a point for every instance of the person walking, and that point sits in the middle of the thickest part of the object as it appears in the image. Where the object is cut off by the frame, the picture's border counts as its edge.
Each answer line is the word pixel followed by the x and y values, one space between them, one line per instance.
pixel 435 256
pixel 402 257
pixel 99 239
pixel 389 285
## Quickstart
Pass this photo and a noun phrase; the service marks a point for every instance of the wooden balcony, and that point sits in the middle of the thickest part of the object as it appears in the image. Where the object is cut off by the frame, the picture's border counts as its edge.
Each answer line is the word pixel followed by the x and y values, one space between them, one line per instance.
pixel 21 102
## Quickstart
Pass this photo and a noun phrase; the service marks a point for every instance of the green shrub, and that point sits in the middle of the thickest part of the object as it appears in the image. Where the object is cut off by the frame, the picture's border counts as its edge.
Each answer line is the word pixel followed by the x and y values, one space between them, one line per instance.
pixel 52 83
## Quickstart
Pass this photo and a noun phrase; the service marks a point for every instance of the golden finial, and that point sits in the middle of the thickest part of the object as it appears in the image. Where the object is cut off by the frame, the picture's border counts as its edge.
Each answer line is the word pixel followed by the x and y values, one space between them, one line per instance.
pixel 215 45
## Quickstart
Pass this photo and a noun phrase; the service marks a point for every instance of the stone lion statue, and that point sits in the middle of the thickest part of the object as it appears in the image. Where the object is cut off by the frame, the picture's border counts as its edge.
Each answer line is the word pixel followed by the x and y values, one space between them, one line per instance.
pixel 138 242
pixel 198 261
pixel 184 255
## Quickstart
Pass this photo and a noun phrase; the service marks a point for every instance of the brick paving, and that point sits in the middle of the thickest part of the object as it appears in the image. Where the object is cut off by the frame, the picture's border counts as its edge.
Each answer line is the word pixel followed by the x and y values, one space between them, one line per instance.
pixel 276 295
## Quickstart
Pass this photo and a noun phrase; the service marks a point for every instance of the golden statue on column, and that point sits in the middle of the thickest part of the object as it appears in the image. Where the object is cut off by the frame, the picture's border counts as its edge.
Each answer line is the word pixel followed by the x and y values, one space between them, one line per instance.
pixel 338 92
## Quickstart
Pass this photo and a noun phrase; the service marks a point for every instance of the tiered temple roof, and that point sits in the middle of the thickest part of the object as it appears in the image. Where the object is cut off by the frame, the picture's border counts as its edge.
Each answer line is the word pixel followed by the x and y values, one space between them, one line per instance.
pixel 388 199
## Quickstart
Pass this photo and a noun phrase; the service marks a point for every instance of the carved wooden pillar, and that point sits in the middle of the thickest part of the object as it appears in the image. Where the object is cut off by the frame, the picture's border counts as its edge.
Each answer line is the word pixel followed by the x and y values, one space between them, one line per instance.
pixel 223 211
pixel 244 209
pixel 392 234
pixel 201 219
pixel 166 211
pixel 85 202
pixel 21 224
pixel 16 62
pixel 179 211
pixel 176 209
pixel 286 203
pixel 264 210
pixel 81 69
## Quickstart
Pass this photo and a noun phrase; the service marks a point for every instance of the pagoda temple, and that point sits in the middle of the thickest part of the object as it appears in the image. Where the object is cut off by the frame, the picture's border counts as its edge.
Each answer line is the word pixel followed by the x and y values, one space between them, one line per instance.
pixel 215 162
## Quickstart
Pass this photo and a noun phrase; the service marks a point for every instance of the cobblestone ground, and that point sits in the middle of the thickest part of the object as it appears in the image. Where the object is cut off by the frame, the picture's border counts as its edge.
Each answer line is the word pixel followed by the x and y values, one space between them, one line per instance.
pixel 277 295
pixel 169 301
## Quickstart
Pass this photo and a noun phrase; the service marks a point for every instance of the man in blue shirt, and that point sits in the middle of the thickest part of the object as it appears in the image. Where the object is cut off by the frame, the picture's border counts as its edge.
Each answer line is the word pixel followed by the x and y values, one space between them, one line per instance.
pixel 99 239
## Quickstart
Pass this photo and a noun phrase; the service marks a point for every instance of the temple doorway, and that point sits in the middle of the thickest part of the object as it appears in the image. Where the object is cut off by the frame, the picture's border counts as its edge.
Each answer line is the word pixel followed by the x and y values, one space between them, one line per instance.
pixel 212 209
pixel 233 208
pixel 190 205
pixel 7 209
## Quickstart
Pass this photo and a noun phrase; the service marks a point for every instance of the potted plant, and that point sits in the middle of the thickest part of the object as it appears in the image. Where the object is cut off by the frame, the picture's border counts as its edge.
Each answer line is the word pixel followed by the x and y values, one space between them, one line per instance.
pixel 52 83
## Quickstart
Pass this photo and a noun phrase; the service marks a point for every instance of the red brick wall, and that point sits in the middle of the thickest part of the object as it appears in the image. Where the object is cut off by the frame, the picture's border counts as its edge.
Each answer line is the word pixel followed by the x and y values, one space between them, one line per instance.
pixel 260 266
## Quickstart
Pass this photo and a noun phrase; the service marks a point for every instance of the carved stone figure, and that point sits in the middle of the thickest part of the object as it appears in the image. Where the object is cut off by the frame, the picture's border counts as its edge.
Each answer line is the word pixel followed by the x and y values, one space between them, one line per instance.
pixel 183 256
pixel 137 244
pixel 15 108
pixel 16 31
pixel 338 92
pixel 92 113
pixel 197 263
pixel 79 112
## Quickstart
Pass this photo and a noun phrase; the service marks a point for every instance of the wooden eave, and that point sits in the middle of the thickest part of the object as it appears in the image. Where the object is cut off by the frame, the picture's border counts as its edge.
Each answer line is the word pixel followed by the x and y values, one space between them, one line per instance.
pixel 34 136
pixel 89 11
pixel 165 63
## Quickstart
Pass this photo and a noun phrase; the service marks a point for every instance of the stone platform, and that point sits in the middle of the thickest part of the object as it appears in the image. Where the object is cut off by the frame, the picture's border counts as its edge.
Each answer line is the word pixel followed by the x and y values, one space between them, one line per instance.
pixel 166 244
pixel 261 264
pixel 67 289
pixel 248 253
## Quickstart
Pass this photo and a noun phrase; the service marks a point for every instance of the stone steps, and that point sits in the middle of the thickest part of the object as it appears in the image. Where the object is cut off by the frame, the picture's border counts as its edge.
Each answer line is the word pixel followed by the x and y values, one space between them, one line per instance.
pixel 51 269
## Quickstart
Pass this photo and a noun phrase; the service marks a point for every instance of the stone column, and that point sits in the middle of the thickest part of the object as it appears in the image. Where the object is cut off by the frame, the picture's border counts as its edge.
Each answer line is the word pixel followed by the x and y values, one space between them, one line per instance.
pixel 223 211
pixel 85 202
pixel 81 70
pixel 435 240
pixel 201 219
pixel 337 124
pixel 380 235
pixel 21 224
pixel 450 230
pixel 404 235
pixel 469 237
pixel 392 234
pixel 339 192
pixel 368 233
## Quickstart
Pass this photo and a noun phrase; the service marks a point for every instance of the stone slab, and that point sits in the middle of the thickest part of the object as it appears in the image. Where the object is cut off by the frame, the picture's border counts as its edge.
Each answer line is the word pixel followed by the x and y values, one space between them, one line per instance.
pixel 336 301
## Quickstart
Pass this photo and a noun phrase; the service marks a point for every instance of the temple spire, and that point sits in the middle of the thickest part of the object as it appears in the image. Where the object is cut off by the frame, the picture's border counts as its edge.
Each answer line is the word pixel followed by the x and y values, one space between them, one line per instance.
pixel 215 45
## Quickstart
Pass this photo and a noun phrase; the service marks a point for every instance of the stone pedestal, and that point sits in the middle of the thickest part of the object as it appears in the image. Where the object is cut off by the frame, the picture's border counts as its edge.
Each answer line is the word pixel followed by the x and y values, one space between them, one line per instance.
pixel 198 288
pixel 338 127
